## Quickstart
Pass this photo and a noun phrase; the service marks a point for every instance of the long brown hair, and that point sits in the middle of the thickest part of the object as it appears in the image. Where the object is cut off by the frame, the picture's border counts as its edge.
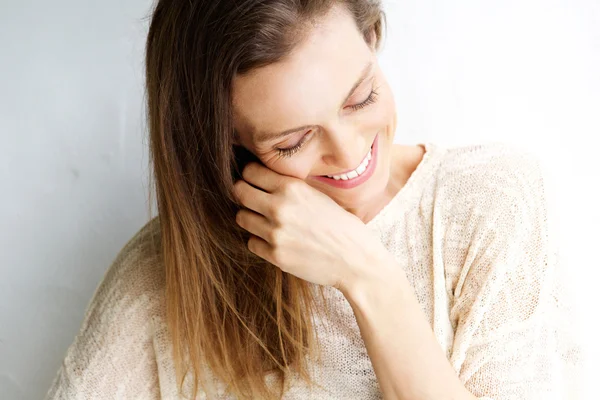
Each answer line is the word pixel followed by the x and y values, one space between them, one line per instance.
pixel 227 310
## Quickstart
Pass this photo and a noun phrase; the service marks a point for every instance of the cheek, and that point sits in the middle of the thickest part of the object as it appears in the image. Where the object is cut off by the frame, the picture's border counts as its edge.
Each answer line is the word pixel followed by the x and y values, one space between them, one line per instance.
pixel 297 166
pixel 378 117
pixel 385 109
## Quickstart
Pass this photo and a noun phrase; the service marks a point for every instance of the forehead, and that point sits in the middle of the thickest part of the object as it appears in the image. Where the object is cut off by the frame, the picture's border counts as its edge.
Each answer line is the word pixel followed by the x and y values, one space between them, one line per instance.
pixel 307 85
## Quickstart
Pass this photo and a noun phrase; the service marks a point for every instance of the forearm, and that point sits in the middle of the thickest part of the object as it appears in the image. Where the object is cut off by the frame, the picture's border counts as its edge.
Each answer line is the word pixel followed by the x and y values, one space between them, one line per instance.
pixel 407 360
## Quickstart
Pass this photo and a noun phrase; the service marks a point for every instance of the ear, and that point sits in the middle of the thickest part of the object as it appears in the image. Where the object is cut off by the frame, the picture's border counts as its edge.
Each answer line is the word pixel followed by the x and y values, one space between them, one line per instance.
pixel 372 39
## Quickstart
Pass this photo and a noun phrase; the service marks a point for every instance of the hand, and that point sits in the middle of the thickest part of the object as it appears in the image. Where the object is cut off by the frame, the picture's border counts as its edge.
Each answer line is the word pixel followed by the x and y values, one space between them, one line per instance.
pixel 303 231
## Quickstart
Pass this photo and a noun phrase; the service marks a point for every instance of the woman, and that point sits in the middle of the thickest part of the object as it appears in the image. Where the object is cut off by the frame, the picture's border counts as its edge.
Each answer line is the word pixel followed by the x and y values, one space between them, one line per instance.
pixel 298 251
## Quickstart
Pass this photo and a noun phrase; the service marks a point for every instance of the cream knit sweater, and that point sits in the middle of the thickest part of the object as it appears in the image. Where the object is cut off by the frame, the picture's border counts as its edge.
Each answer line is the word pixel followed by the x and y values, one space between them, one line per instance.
pixel 470 228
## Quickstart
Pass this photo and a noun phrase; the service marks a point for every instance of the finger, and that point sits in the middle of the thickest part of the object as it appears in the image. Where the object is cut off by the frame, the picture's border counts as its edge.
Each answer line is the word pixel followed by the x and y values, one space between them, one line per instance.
pixel 251 197
pixel 261 248
pixel 254 223
pixel 263 177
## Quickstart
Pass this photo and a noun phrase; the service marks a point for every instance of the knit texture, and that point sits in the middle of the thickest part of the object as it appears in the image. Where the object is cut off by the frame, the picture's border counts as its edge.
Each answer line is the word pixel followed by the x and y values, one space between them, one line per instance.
pixel 472 231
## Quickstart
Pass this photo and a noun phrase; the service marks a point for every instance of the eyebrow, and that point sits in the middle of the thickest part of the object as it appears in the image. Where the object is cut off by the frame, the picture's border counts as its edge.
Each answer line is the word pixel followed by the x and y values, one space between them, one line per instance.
pixel 264 136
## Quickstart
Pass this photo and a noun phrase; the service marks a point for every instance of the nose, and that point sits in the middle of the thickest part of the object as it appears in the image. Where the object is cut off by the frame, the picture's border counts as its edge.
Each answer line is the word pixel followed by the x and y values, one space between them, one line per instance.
pixel 343 151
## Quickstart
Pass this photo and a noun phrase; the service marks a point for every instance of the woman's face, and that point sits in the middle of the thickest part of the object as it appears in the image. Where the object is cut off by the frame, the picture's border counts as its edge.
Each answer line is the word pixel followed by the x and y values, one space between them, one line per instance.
pixel 319 113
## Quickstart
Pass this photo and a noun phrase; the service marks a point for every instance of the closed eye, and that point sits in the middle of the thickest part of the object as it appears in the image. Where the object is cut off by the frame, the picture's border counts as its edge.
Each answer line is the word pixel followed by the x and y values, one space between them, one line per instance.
pixel 288 152
pixel 370 100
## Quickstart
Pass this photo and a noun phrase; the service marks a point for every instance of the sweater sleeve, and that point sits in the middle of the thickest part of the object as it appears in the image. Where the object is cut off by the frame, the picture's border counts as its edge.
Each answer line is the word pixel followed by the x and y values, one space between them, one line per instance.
pixel 112 356
pixel 510 310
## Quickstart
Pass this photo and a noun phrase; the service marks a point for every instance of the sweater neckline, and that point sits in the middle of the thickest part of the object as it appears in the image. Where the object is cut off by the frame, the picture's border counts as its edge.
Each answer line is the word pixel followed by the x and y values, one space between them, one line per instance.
pixel 413 185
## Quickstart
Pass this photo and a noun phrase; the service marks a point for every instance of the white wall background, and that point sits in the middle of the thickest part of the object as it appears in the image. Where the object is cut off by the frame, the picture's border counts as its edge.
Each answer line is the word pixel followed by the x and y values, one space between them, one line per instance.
pixel 73 159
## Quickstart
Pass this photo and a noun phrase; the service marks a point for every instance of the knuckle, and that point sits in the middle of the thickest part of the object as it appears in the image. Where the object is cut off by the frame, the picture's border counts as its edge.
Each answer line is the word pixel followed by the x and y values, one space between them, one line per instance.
pixel 291 188
pixel 279 211
pixel 277 256
pixel 274 236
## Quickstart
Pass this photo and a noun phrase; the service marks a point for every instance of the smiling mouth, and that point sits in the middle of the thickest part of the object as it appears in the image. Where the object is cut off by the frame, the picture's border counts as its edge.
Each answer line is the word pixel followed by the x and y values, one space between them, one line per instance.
pixel 353 173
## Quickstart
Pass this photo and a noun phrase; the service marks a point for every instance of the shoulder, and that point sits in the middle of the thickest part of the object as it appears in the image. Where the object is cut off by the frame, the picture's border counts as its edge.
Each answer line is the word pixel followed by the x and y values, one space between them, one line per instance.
pixel 492 192
pixel 497 161
pixel 131 291
pixel 492 213
pixel 138 267
pixel 134 283
pixel 115 340
pixel 492 173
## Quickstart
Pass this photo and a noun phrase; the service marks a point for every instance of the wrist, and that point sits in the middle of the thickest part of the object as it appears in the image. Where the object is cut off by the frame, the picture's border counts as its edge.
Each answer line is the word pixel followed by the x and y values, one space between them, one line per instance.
pixel 380 276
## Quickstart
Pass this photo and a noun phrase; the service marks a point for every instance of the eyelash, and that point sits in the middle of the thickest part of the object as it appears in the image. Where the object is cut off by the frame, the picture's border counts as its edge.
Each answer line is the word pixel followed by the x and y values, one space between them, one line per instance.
pixel 290 151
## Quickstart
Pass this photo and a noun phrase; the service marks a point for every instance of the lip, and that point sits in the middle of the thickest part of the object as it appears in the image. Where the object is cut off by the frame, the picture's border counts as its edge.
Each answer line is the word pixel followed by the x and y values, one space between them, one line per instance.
pixel 354 182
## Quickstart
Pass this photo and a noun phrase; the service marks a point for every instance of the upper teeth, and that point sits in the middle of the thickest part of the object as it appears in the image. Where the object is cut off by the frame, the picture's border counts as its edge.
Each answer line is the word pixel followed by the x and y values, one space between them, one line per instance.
pixel 355 172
